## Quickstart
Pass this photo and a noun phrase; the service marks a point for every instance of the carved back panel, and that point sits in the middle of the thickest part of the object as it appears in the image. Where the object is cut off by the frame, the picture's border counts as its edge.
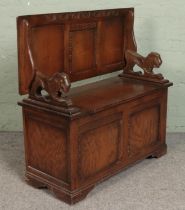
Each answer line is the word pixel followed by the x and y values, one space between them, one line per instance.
pixel 81 44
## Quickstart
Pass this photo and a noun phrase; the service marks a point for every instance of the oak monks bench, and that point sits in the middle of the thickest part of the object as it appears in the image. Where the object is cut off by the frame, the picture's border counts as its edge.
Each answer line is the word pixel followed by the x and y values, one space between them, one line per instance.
pixel 75 138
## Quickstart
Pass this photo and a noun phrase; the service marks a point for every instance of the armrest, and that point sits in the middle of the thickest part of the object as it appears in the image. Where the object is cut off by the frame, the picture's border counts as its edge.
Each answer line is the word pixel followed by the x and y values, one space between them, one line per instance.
pixel 147 64
pixel 55 86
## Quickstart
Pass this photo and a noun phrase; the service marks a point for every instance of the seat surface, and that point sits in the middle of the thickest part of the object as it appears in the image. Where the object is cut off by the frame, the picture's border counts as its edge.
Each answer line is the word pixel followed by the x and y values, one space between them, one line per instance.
pixel 107 93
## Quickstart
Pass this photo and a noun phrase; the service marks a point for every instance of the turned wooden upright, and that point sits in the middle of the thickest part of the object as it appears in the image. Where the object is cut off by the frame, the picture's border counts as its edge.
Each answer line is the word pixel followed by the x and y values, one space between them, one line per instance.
pixel 75 138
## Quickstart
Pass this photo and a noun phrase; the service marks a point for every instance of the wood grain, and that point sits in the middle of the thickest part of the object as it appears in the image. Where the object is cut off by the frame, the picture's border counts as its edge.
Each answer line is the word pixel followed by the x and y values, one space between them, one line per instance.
pixel 98 147
pixel 81 44
pixel 46 154
pixel 143 129
pixel 78 138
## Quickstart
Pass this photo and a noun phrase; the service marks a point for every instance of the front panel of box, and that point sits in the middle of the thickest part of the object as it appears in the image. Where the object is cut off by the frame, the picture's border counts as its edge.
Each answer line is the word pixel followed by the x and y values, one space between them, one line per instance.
pixel 99 145
pixel 112 139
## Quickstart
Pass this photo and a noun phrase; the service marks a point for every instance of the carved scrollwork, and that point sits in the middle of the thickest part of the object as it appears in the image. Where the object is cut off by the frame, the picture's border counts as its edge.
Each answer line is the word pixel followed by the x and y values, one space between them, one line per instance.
pixel 55 86
pixel 148 63
pixel 85 14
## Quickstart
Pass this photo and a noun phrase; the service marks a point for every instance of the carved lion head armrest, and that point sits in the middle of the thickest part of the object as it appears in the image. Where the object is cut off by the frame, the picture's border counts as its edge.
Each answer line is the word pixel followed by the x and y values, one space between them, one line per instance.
pixel 147 64
pixel 55 88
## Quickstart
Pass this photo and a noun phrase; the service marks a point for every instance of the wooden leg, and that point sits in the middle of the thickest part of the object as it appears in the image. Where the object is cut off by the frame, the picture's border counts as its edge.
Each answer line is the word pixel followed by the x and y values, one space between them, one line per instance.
pixel 35 183
pixel 71 197
pixel 159 153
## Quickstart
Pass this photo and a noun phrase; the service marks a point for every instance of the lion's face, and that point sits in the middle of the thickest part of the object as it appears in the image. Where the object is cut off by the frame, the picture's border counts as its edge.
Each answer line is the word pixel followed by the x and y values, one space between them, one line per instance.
pixel 155 59
pixel 59 84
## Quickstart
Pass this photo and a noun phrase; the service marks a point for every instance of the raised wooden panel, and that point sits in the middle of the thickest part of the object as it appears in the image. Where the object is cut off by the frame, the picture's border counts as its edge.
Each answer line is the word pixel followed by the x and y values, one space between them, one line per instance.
pixel 47 149
pixel 47 47
pixel 143 129
pixel 111 41
pixel 82 47
pixel 99 148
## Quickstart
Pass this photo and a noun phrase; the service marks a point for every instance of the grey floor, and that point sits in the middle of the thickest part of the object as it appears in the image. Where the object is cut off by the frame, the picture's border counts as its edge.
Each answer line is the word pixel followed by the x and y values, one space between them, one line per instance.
pixel 153 184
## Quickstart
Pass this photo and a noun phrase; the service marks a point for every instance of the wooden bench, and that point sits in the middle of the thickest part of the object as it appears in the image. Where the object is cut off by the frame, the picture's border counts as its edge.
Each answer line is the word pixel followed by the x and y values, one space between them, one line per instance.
pixel 75 138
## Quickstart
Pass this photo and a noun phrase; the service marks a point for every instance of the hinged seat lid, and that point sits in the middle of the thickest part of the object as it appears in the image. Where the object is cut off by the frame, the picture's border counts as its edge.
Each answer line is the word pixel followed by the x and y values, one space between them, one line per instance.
pixel 108 93
pixel 81 44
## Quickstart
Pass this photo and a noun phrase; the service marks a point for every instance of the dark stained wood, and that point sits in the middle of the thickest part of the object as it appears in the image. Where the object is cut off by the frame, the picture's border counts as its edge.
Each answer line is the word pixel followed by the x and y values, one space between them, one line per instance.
pixel 152 60
pixel 110 92
pixel 96 154
pixel 75 138
pixel 50 41
pixel 53 159
pixel 146 133
pixel 81 44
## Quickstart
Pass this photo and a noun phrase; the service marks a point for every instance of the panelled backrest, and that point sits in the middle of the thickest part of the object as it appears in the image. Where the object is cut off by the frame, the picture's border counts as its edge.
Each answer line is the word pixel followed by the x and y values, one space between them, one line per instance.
pixel 82 44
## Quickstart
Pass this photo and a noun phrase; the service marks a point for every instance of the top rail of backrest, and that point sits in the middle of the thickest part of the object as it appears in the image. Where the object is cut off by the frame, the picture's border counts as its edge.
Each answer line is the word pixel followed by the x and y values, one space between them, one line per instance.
pixel 82 44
